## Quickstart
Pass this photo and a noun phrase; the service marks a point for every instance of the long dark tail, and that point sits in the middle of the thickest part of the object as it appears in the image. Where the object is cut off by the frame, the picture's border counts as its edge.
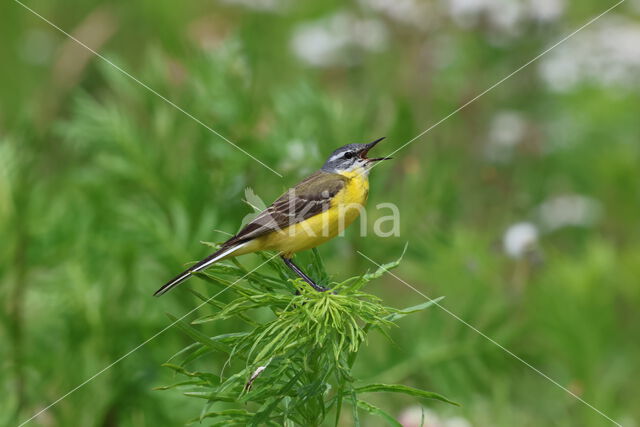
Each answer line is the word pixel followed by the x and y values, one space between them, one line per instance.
pixel 211 259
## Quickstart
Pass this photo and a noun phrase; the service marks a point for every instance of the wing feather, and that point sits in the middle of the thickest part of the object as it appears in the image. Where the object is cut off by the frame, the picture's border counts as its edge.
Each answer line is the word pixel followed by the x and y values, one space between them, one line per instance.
pixel 310 197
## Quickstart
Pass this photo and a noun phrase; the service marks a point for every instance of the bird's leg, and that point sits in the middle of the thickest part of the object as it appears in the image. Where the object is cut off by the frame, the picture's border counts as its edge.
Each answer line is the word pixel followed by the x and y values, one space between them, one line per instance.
pixel 303 276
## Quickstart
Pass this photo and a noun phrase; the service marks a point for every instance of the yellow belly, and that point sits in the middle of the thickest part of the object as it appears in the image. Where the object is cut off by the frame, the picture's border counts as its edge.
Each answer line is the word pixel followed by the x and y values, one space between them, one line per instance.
pixel 314 231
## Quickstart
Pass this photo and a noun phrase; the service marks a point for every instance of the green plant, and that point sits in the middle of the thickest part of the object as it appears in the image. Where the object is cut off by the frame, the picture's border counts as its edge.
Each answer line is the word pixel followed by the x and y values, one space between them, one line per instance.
pixel 293 366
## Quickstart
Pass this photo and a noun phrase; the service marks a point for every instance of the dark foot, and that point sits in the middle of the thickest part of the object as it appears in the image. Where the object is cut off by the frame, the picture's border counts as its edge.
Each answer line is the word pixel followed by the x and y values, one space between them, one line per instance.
pixel 303 276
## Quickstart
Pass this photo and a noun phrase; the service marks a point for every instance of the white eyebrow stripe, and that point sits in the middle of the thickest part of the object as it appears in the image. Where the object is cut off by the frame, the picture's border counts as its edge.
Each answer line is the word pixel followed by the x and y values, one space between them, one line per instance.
pixel 335 157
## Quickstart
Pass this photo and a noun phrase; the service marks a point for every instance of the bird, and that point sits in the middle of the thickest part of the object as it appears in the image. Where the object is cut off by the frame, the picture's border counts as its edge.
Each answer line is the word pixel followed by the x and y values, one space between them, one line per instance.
pixel 307 215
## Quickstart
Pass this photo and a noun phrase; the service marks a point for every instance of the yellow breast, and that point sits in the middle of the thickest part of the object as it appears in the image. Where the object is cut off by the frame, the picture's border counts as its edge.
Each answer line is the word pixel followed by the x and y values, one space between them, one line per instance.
pixel 345 208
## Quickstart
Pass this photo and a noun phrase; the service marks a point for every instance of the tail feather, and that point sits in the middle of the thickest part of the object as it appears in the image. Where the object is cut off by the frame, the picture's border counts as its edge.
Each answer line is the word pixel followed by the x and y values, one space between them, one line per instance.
pixel 211 259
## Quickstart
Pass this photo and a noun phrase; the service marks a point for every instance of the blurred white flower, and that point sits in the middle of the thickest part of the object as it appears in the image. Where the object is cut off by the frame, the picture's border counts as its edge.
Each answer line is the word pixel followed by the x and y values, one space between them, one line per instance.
pixel 260 5
pixel 505 16
pixel 568 210
pixel 297 151
pixel 337 40
pixel 417 416
pixel 606 53
pixel 412 12
pixel 519 239
pixel 506 131
pixel 546 10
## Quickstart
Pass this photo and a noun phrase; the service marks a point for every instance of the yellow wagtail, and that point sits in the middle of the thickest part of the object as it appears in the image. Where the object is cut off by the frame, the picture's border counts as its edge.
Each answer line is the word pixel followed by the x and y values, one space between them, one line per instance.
pixel 307 215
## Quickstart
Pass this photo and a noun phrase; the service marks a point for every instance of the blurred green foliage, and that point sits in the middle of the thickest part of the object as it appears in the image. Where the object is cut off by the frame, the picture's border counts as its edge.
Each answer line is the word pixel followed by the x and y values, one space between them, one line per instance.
pixel 106 191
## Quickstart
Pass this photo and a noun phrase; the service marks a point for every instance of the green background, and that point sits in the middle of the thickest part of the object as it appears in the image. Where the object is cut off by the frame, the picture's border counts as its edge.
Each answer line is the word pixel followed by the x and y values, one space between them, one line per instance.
pixel 106 191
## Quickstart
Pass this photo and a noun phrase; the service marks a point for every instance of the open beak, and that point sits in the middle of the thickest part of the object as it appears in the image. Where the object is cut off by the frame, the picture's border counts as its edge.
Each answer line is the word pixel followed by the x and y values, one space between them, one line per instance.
pixel 369 146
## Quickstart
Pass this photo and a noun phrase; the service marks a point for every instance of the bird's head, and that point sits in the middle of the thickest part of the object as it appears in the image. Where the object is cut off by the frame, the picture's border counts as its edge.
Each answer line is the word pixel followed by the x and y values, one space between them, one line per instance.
pixel 352 158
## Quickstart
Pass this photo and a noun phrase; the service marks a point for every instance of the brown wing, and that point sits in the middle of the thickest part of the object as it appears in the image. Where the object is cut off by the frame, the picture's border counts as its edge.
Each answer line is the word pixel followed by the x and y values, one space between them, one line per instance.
pixel 310 197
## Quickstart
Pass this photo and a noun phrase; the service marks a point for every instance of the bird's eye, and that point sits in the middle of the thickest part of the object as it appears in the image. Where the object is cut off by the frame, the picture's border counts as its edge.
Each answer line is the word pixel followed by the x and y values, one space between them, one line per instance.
pixel 348 155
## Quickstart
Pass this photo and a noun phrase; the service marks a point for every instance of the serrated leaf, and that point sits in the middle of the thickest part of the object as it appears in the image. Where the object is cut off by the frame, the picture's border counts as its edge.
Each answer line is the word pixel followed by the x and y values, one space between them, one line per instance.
pixel 413 309
pixel 382 269
pixel 181 384
pixel 212 396
pixel 399 388
pixel 232 414
pixel 206 376
pixel 374 410
pixel 197 335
